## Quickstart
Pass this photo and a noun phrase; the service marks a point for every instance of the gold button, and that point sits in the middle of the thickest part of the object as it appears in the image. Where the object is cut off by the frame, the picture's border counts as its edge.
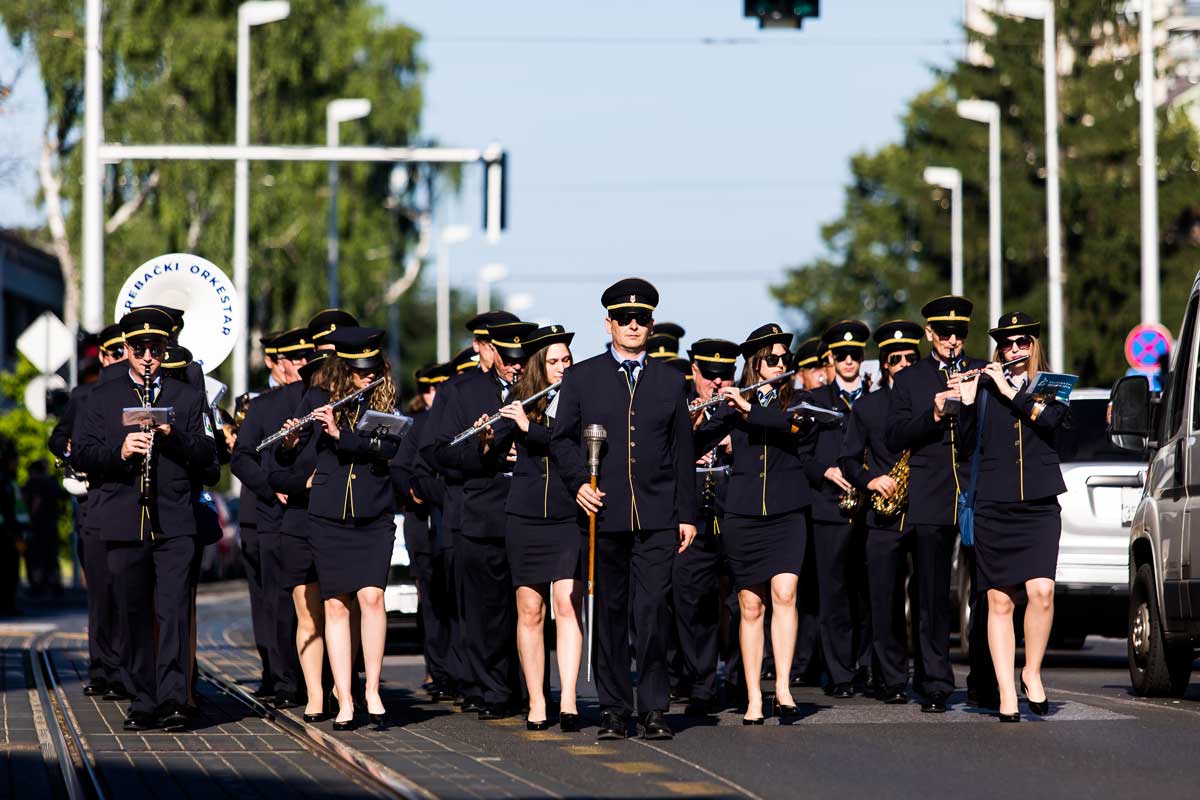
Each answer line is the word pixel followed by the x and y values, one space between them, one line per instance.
pixel 762 474
pixel 633 444
pixel 632 428
pixel 633 413
pixel 633 461
pixel 353 476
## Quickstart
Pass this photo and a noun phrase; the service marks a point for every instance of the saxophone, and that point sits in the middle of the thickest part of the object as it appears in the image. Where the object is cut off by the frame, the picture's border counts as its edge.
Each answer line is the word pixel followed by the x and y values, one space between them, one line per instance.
pixel 890 506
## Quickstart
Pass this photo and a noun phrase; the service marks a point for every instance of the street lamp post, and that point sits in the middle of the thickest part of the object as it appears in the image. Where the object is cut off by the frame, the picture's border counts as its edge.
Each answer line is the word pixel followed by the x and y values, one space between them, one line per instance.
pixel 1150 301
pixel 950 179
pixel 451 234
pixel 337 112
pixel 256 12
pixel 488 274
pixel 989 112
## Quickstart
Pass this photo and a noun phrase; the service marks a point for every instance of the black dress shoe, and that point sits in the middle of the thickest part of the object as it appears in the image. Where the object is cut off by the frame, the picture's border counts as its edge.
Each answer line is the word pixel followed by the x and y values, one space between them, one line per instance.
pixel 698 707
pixel 494 711
pixel 96 688
pixel 894 695
pixel 173 718
pixel 568 722
pixel 754 721
pixel 140 721
pixel 320 716
pixel 1041 707
pixel 541 725
pixel 471 705
pixel 843 691
pixel 654 726
pixel 117 693
pixel 1015 717
pixel 287 700
pixel 264 692
pixel 612 726
pixel 935 703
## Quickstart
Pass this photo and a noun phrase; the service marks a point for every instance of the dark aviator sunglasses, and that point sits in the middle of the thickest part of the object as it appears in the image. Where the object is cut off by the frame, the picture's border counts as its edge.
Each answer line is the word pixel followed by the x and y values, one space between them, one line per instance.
pixel 1018 342
pixel 775 359
pixel 896 359
pixel 623 318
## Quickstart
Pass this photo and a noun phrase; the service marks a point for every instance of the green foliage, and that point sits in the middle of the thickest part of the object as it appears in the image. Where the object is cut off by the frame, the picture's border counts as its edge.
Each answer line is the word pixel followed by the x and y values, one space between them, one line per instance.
pixel 170 76
pixel 889 251
pixel 18 425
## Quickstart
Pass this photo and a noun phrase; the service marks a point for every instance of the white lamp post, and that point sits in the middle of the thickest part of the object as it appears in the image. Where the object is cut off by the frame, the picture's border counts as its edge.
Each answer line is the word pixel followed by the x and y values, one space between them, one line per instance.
pixel 519 302
pixel 988 112
pixel 337 112
pixel 451 234
pixel 256 12
pixel 950 179
pixel 1044 10
pixel 488 274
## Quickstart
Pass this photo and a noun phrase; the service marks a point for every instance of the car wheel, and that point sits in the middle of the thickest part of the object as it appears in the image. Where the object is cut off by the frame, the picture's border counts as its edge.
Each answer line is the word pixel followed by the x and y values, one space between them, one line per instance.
pixel 1155 668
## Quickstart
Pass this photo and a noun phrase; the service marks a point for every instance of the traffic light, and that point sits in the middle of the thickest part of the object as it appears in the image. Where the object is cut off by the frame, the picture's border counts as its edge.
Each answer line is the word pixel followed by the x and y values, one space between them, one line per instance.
pixel 781 13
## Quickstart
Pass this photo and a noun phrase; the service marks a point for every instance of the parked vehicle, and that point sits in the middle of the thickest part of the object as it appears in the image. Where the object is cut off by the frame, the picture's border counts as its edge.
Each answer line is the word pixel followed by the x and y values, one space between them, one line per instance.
pixel 1164 538
pixel 400 594
pixel 222 560
pixel 1104 486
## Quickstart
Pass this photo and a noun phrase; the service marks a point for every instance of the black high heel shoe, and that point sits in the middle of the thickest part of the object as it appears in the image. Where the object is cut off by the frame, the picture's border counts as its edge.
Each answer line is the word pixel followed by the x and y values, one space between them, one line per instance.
pixel 568 722
pixel 1015 717
pixel 541 725
pixel 755 721
pixel 344 726
pixel 377 719
pixel 320 716
pixel 1041 707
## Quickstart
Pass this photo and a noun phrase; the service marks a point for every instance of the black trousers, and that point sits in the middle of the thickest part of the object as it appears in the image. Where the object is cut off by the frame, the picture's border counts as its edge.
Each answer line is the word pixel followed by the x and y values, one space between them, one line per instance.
pixel 440 617
pixel 695 595
pixel 982 675
pixel 887 569
pixel 841 583
pixel 643 559
pixel 934 549
pixel 807 663
pixel 279 614
pixel 105 647
pixel 490 618
pixel 252 566
pixel 152 585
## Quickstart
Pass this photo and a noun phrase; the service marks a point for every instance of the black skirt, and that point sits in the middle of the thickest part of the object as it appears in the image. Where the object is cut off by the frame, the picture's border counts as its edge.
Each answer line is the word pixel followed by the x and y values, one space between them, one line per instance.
pixel 1016 542
pixel 299 565
pixel 544 550
pixel 759 548
pixel 351 555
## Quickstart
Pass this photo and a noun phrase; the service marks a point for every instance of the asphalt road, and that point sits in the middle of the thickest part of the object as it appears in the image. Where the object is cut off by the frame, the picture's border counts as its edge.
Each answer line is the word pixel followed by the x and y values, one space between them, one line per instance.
pixel 1098 741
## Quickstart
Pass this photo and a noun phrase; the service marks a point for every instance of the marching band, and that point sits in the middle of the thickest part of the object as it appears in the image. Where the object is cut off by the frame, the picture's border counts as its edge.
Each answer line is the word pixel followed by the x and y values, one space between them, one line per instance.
pixel 673 512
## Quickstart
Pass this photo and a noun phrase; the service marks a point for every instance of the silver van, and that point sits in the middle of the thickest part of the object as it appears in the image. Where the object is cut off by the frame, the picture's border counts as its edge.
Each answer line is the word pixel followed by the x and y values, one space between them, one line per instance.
pixel 1164 537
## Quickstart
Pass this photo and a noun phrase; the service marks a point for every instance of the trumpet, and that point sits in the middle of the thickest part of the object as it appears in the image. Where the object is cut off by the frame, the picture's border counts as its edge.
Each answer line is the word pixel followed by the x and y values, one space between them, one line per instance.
pixel 286 430
pixel 494 418
pixel 717 399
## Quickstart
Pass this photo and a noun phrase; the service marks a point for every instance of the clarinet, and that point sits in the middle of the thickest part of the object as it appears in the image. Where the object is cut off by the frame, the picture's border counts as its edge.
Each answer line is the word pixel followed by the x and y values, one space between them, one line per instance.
pixel 148 426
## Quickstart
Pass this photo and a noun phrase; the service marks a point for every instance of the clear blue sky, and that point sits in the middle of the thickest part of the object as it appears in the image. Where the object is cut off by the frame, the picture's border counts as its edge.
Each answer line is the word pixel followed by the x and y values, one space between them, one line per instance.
pixel 636 148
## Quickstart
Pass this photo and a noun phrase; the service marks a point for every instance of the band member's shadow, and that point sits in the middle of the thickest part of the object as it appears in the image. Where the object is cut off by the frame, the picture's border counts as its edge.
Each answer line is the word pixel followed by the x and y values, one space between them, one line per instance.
pixel 803 712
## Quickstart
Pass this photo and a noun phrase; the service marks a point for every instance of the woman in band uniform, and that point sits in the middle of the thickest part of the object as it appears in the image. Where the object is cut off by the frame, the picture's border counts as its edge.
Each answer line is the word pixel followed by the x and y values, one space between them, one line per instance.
pixel 763 526
pixel 1017 515
pixel 543 537
pixel 351 509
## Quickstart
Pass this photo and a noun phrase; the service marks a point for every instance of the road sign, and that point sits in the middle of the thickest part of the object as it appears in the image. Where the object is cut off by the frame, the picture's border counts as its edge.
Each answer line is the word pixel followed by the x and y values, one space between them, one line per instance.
pixel 47 343
pixel 1146 345
pixel 35 394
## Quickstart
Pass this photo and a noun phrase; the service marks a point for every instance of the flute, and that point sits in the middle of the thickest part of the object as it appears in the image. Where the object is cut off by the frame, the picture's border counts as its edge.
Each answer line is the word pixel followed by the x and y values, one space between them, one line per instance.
pixel 307 418
pixel 975 373
pixel 494 418
pixel 717 399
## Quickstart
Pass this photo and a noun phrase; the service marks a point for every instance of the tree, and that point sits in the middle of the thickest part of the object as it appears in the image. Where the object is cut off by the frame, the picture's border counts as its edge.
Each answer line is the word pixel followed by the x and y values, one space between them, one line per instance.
pixel 889 250
pixel 169 76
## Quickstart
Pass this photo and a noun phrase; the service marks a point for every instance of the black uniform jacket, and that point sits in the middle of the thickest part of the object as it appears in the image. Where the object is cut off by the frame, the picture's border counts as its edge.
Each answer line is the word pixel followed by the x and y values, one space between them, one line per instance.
pixel 179 463
pixel 412 475
pixel 830 435
pixel 935 475
pixel 711 488
pixel 291 478
pixel 537 490
pixel 768 460
pixel 60 437
pixel 264 416
pixel 353 475
pixel 865 453
pixel 451 479
pixel 1018 460
pixel 485 478
pixel 647 465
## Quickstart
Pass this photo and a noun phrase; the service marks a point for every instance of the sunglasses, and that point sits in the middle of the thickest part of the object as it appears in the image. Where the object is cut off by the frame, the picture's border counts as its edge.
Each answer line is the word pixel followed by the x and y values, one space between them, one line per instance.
pixel 156 351
pixel 711 375
pixel 117 352
pixel 623 318
pixel 852 354
pixel 946 331
pixel 1018 342
pixel 776 359
pixel 896 359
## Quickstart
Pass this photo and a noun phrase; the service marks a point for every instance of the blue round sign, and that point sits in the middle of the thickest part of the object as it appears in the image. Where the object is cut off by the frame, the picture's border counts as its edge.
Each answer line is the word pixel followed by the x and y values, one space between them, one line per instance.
pixel 1146 345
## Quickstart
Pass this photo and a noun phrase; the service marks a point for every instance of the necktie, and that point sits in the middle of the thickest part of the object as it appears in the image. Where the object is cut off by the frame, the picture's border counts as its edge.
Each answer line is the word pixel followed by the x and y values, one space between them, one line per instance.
pixel 629 367
pixel 504 389
pixel 850 397
pixel 766 398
